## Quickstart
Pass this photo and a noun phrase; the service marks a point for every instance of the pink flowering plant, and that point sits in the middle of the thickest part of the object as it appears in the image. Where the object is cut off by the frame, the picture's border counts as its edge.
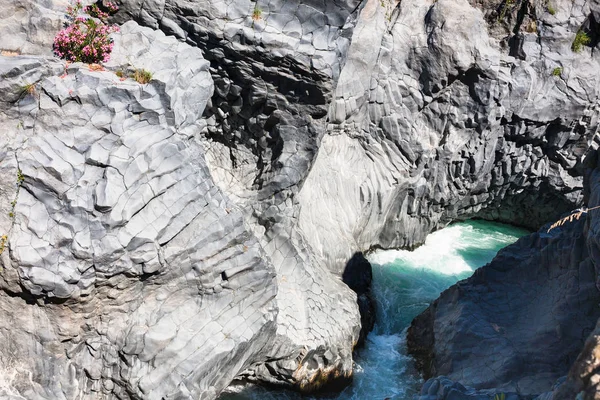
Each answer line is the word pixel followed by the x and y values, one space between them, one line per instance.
pixel 85 37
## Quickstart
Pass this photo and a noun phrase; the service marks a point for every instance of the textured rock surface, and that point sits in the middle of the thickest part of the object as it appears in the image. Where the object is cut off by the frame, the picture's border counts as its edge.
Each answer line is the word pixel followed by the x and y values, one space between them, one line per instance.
pixel 583 379
pixel 333 127
pixel 149 133
pixel 440 123
pixel 423 118
pixel 28 27
pixel 442 388
pixel 520 322
pixel 126 272
pixel 274 70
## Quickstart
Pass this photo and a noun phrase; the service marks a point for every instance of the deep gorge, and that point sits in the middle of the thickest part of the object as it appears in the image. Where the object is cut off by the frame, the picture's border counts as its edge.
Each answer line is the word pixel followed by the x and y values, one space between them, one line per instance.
pixel 404 284
pixel 162 239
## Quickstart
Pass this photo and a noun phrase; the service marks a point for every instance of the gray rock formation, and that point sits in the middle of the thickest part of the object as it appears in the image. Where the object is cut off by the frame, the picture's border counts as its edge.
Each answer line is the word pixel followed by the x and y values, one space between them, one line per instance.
pixel 126 272
pixel 582 379
pixel 274 66
pixel 143 212
pixel 442 388
pixel 440 123
pixel 28 27
pixel 168 237
pixel 520 322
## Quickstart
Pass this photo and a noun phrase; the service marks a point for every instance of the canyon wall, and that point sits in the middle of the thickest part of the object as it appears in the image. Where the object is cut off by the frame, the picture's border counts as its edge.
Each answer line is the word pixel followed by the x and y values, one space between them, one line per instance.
pixel 526 322
pixel 164 238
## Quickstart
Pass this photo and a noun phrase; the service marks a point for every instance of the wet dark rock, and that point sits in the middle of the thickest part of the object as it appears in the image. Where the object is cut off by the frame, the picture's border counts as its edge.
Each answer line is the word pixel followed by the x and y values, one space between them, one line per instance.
pixel 443 388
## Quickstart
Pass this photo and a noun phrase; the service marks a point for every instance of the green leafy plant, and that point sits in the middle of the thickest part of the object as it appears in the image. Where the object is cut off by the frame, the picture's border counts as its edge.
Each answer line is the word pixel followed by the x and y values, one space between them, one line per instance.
pixel 499 396
pixel 581 39
pixel 142 76
pixel 256 13
pixel 20 178
pixel 507 4
pixel 557 71
pixel 551 9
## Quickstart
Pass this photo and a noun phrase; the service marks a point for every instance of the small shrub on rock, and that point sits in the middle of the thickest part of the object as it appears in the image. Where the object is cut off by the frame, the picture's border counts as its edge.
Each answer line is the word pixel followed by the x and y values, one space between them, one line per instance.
pixel 581 39
pixel 142 76
pixel 557 71
pixel 85 37
pixel 256 13
pixel 28 89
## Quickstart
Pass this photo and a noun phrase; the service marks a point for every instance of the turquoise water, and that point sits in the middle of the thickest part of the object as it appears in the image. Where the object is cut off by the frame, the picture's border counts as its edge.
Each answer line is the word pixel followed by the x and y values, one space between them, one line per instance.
pixel 404 284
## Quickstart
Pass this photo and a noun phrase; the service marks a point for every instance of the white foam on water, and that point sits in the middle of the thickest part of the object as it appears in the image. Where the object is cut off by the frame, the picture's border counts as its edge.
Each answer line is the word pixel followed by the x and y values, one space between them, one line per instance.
pixel 439 253
pixel 404 283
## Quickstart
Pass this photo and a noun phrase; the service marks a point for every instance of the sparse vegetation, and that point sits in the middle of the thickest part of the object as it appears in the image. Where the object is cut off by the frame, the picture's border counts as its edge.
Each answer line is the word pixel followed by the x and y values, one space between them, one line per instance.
pixel 20 177
pixel 28 89
pixel 3 241
pixel 507 4
pixel 531 27
pixel 557 71
pixel 96 67
pixel 581 39
pixel 86 36
pixel 570 218
pixel 256 13
pixel 551 9
pixel 142 76
pixel 499 396
pixel 120 74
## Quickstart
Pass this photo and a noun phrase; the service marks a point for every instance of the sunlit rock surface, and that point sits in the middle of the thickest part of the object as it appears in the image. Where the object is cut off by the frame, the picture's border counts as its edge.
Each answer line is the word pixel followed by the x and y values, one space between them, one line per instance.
pixel 126 271
pixel 169 237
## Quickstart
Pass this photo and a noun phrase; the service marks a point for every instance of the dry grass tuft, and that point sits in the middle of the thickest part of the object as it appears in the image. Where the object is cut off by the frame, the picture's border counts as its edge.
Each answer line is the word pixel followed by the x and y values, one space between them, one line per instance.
pixel 571 218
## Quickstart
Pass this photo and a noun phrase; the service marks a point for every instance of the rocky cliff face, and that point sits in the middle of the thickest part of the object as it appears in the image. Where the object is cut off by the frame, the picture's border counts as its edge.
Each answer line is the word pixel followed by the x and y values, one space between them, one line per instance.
pixel 439 122
pixel 165 238
pixel 519 324
pixel 125 269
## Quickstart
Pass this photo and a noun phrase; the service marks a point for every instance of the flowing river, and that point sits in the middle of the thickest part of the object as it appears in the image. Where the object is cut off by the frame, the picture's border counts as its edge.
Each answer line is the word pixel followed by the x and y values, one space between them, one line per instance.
pixel 404 284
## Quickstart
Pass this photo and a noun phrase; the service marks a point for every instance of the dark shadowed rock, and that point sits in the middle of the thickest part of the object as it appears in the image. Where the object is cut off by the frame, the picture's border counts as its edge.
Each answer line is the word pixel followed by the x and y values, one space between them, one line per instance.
pixel 358 275
pixel 520 322
pixel 442 388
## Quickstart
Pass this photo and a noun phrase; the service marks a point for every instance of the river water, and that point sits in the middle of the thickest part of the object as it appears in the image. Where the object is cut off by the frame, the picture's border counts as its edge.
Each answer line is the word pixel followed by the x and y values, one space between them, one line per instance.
pixel 404 284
